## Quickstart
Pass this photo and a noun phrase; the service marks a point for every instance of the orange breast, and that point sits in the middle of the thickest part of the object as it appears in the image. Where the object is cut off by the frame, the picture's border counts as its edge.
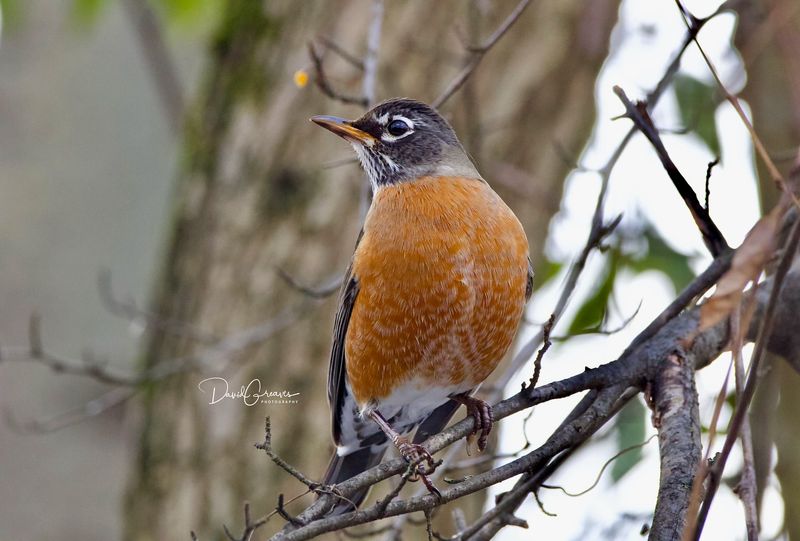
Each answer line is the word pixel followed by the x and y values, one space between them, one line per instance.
pixel 442 269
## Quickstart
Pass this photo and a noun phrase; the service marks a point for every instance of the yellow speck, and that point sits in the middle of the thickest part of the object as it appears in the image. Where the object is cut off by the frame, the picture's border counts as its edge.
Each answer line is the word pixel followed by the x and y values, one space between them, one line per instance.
pixel 301 78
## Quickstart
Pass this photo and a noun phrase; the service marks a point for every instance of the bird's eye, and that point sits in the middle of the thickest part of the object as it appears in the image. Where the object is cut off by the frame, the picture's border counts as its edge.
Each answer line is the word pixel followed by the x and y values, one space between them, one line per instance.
pixel 398 127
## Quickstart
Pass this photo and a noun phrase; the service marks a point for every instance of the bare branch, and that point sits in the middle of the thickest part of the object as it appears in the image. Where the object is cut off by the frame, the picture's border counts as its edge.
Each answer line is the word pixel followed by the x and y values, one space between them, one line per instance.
pixel 599 476
pixel 219 354
pixel 746 490
pixel 487 526
pixel 477 54
pixel 712 236
pixel 713 163
pixel 88 410
pixel 37 352
pixel 339 50
pixel 128 310
pixel 632 369
pixel 600 229
pixel 89 367
pixel 325 86
pixel 249 526
pixel 690 20
pixel 764 332
pixel 266 446
pixel 371 58
pixel 537 363
pixel 677 420
pixel 327 289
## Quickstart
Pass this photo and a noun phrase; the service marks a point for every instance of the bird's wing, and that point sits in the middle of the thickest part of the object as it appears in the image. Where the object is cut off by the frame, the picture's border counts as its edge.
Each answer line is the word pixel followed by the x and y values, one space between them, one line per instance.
pixel 337 388
pixel 529 282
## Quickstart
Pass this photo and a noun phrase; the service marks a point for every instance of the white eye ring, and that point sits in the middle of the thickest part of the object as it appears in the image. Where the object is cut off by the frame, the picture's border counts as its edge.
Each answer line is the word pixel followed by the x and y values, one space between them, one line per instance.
pixel 407 123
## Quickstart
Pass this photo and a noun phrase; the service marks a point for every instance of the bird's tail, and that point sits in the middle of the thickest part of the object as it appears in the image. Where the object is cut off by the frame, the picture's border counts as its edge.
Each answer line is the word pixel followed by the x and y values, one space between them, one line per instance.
pixel 341 468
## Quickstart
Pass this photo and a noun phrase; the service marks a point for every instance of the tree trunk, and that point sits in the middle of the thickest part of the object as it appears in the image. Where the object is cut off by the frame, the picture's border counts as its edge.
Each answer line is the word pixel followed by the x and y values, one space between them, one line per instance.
pixel 252 197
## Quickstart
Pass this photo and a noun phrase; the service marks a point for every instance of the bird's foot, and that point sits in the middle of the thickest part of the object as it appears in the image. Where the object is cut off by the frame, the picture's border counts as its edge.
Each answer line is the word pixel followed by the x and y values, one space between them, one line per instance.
pixel 481 412
pixel 415 453
pixel 420 460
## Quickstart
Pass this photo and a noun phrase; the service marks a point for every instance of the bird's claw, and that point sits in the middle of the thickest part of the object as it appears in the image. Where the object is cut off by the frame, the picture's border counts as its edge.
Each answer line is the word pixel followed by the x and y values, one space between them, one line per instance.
pixel 415 453
pixel 481 412
pixel 422 462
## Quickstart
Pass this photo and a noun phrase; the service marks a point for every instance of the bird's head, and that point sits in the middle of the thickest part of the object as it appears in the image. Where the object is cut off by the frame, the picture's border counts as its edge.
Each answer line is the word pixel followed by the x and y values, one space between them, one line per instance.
pixel 401 140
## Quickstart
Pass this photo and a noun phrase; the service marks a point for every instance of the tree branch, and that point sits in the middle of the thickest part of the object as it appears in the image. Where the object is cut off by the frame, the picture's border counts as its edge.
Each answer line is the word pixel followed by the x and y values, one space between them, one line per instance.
pixel 371 58
pixel 600 229
pixel 477 54
pixel 765 330
pixel 677 420
pixel 321 80
pixel 632 369
pixel 712 236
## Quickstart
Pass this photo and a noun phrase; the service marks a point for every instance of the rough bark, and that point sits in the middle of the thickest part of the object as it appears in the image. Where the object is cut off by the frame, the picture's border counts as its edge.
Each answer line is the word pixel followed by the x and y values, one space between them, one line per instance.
pixel 252 196
pixel 678 423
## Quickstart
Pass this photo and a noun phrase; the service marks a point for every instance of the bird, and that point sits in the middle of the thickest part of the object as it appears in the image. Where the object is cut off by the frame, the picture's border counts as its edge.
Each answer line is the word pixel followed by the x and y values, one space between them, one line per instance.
pixel 432 298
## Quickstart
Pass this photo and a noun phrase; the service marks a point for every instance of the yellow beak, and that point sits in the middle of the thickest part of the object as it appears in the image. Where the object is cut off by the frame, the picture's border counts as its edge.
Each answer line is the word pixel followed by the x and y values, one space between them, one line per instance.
pixel 343 128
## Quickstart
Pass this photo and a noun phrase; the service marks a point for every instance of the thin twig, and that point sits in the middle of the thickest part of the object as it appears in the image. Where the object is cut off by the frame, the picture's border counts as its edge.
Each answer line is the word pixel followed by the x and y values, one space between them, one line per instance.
pixel 477 54
pixel 266 446
pixel 88 410
pixel 590 402
pixel 746 490
pixel 599 330
pixel 712 236
pixel 599 229
pixel 764 332
pixel 368 82
pixel 328 288
pixel 128 310
pixel 249 526
pixel 344 54
pixel 537 363
pixel 761 150
pixel 599 476
pixel 709 168
pixel 536 497
pixel 631 369
pixel 280 509
pixel 325 86
pixel 512 499
pixel 127 385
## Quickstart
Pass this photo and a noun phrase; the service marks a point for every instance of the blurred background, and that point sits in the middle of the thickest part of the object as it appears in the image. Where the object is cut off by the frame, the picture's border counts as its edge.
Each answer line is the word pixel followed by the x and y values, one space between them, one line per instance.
pixel 156 155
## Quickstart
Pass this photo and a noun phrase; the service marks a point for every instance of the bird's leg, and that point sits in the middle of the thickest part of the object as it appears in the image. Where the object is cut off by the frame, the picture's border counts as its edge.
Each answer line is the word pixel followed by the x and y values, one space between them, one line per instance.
pixel 413 453
pixel 481 412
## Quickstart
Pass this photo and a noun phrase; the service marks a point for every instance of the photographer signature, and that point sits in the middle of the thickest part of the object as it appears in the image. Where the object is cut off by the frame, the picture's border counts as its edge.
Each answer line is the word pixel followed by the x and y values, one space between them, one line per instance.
pixel 250 394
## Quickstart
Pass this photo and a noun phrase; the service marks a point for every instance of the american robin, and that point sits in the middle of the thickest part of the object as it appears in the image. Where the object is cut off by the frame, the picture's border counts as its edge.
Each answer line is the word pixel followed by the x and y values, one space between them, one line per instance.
pixel 432 298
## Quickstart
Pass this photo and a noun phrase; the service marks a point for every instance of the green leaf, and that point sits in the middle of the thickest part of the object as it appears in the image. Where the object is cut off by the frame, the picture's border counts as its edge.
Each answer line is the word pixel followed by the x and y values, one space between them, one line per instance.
pixel 660 256
pixel 591 314
pixel 86 12
pixel 629 427
pixel 697 102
